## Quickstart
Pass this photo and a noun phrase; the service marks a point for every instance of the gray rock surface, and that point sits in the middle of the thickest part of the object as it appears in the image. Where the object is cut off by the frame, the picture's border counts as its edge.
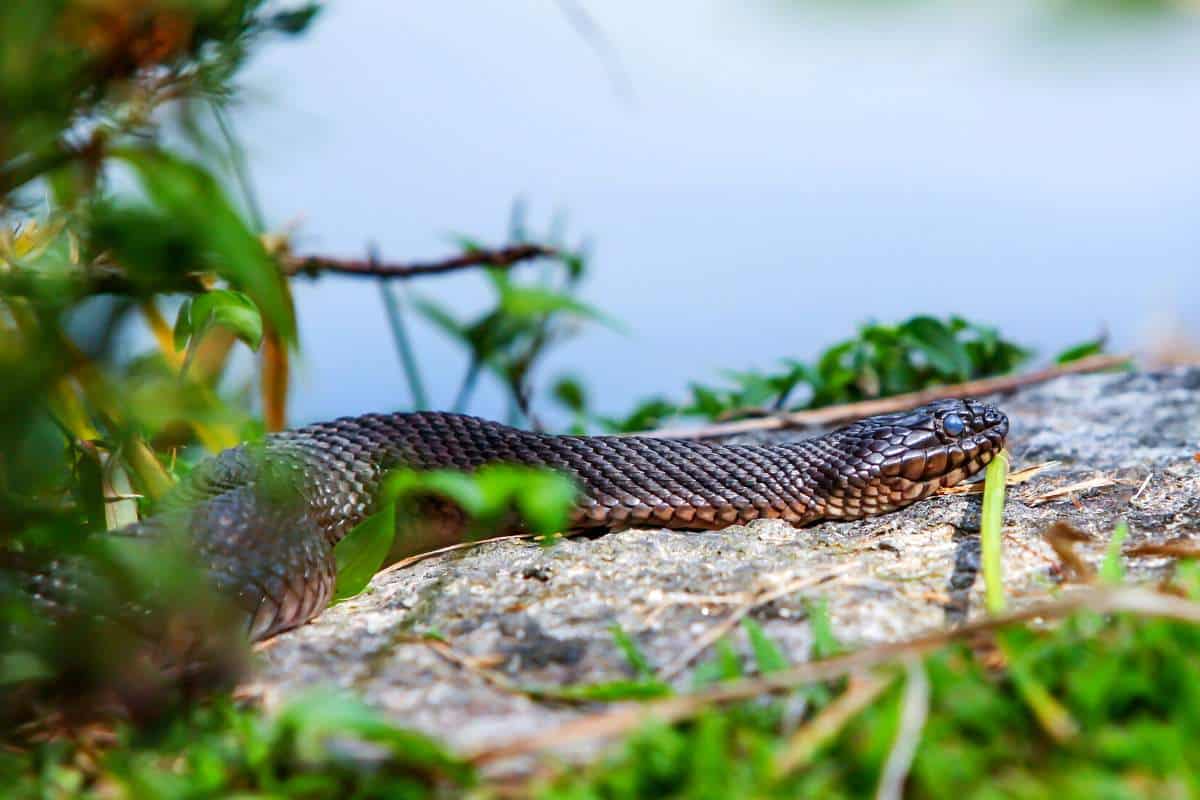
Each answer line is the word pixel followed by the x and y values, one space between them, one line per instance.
pixel 518 613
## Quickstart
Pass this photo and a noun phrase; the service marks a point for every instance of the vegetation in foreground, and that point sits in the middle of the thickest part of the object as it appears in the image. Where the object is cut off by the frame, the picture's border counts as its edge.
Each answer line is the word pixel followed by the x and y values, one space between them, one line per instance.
pixel 1093 705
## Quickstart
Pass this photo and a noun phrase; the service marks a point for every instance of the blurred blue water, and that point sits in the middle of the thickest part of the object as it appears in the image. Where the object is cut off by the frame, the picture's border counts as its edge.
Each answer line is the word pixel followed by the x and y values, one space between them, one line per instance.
pixel 780 176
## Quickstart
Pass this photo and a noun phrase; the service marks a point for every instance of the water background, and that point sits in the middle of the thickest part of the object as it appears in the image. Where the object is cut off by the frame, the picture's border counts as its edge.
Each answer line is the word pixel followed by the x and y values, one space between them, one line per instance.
pixel 780 173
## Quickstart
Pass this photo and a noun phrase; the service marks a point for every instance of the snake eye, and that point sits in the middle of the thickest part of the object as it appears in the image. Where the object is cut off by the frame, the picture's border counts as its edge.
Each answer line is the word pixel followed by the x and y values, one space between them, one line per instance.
pixel 953 424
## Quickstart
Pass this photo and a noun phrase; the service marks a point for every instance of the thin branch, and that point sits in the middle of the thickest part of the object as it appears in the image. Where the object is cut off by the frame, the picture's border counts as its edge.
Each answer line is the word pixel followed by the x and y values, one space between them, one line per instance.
pixel 23 282
pixel 849 412
pixel 312 266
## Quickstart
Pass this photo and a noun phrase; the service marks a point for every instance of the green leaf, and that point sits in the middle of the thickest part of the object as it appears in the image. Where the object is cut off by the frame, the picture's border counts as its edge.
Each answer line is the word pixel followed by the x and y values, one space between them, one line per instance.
pixel 545 500
pixel 362 551
pixel 1082 350
pixel 570 394
pixel 723 666
pixel 294 21
pixel 441 318
pixel 183 325
pixel 991 536
pixel 767 654
pixel 543 497
pixel 228 309
pixel 530 301
pixel 21 667
pixel 646 415
pixel 191 198
pixel 939 346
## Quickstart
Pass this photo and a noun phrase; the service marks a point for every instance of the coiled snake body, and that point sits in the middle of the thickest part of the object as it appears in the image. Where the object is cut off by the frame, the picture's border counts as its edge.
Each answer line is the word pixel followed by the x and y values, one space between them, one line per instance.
pixel 265 517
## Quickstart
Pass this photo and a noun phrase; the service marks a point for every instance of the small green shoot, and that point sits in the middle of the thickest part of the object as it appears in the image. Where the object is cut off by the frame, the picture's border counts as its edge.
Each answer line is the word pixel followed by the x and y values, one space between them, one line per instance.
pixel 1111 569
pixel 767 654
pixel 633 654
pixel 825 642
pixel 723 666
pixel 991 532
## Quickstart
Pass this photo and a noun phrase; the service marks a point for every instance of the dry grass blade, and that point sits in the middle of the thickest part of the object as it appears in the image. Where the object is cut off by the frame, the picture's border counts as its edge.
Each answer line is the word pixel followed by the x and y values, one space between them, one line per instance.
pixel 806 742
pixel 914 710
pixel 848 412
pixel 1016 478
pixel 622 719
pixel 414 559
pixel 1141 489
pixel 1063 537
pixel 1100 482
pixel 1174 549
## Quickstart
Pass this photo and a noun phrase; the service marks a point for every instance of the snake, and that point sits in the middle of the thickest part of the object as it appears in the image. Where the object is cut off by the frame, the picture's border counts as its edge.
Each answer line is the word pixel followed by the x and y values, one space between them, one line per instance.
pixel 264 518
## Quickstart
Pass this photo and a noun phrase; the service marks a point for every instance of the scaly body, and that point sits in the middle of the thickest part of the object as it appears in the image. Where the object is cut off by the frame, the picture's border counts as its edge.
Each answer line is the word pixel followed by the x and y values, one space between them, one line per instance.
pixel 265 517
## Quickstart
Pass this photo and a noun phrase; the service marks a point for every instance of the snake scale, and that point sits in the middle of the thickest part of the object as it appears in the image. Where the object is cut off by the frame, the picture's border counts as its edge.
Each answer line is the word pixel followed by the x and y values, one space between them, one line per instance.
pixel 265 517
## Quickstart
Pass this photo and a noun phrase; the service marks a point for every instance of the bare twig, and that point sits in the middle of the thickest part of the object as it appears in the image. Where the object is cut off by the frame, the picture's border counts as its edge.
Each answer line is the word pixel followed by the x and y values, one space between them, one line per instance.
pixel 498 257
pixel 902 402
pixel 105 280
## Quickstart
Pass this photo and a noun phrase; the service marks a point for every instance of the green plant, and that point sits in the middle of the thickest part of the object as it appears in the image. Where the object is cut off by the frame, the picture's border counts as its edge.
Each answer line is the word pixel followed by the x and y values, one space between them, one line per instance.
pixel 881 361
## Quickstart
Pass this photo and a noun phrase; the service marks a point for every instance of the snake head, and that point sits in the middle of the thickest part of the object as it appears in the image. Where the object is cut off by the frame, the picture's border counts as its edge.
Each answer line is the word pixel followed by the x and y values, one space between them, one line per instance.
pixel 901 458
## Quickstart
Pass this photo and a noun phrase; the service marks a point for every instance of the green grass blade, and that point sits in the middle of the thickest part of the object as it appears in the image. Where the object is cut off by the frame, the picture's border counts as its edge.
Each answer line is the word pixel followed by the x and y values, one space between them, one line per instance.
pixel 1112 570
pixel 991 526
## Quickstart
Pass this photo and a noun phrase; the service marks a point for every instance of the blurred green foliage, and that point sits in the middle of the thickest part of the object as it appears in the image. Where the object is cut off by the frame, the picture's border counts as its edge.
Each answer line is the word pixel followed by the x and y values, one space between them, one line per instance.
pixel 98 220
pixel 881 361
pixel 322 744
pixel 1129 683
pixel 104 224
pixel 496 499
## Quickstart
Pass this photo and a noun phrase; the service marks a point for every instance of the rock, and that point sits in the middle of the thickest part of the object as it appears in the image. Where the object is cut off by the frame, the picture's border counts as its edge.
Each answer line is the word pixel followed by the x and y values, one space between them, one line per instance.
pixel 516 614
